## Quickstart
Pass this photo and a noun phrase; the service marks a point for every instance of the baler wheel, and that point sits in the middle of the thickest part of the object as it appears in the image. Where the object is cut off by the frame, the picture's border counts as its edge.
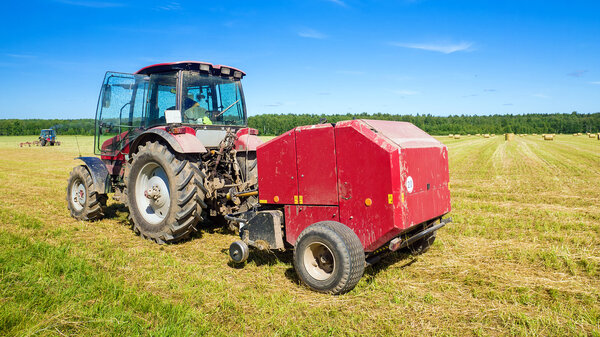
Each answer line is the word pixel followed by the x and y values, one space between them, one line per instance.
pixel 329 257
pixel 83 202
pixel 164 194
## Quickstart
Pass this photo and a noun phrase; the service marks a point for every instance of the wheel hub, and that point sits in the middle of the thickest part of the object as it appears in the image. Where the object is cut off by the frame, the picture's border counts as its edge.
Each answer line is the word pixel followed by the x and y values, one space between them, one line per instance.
pixel 319 261
pixel 79 196
pixel 155 194
pixel 152 193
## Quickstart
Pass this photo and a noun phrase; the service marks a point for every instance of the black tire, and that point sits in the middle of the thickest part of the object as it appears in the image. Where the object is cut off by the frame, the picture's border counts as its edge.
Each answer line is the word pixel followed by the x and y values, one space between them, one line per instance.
pixel 422 245
pixel 83 202
pixel 181 211
pixel 43 142
pixel 329 257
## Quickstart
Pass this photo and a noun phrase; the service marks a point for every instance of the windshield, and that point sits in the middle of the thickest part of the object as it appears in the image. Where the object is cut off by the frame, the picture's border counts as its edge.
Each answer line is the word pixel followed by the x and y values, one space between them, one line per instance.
pixel 210 100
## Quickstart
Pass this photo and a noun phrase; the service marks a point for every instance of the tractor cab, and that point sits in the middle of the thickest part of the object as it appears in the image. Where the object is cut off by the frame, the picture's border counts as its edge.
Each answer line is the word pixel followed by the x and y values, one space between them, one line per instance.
pixel 48 134
pixel 199 95
pixel 47 137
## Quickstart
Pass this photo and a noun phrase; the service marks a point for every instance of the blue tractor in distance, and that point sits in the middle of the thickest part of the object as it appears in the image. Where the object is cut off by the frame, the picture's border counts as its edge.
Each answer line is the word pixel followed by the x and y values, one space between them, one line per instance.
pixel 48 137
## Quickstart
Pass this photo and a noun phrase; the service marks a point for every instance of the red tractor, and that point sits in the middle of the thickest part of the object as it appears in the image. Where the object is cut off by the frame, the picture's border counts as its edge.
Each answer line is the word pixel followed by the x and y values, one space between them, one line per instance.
pixel 174 147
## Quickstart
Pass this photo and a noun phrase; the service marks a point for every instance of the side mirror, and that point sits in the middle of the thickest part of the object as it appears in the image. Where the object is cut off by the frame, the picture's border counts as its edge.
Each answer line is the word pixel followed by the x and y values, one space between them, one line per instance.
pixel 106 93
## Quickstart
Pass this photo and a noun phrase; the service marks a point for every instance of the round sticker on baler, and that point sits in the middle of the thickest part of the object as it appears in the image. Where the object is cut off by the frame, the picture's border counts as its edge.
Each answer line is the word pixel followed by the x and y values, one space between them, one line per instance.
pixel 409 184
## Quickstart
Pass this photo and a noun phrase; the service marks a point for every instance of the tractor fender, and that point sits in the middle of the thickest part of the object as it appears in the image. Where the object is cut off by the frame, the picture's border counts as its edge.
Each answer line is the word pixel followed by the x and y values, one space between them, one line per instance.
pixel 99 173
pixel 180 143
pixel 247 140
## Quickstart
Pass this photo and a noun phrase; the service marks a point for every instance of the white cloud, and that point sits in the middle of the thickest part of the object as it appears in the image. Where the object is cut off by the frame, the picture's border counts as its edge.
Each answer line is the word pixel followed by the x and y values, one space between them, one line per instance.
pixel 171 6
pixel 446 48
pixel 276 104
pixel 406 92
pixel 541 95
pixel 338 2
pixel 92 4
pixel 311 34
pixel 577 73
pixel 20 56
pixel 350 72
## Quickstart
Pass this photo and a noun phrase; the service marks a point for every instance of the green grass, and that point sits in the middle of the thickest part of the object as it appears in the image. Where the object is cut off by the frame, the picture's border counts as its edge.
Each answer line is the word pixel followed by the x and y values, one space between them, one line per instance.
pixel 521 258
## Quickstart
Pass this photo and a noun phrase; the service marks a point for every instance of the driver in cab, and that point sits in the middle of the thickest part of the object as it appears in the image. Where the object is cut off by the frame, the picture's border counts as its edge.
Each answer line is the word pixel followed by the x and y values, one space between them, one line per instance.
pixel 194 113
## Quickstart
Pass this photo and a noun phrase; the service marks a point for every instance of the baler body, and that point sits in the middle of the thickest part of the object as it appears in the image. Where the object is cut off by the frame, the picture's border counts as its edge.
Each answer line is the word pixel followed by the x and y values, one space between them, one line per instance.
pixel 379 178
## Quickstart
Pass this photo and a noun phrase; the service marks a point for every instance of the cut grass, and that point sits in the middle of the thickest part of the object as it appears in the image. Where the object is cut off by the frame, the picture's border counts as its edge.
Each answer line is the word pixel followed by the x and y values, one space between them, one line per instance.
pixel 521 258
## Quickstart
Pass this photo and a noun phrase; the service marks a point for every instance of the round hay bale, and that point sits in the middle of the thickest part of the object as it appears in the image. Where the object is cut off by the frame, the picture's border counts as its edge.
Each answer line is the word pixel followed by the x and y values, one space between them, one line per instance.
pixel 548 137
pixel 493 135
pixel 509 136
pixel 592 135
pixel 456 136
pixel 579 133
pixel 575 134
pixel 450 136
pixel 486 136
pixel 478 134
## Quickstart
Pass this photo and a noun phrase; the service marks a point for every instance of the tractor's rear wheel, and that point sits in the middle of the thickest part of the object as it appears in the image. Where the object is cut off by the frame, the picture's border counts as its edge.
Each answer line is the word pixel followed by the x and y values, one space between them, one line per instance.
pixel 329 257
pixel 163 194
pixel 83 202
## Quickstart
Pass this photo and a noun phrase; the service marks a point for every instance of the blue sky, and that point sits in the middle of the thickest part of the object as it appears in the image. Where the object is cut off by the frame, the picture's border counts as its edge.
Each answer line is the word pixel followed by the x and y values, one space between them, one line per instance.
pixel 312 56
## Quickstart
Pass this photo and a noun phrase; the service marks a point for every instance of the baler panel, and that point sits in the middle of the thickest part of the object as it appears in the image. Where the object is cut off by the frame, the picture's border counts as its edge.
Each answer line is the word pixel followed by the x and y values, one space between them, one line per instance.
pixel 277 171
pixel 298 217
pixel 367 191
pixel 317 172
pixel 427 170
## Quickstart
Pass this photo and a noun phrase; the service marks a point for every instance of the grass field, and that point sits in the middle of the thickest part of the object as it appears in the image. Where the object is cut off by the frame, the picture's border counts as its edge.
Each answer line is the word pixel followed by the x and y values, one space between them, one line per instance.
pixel 521 258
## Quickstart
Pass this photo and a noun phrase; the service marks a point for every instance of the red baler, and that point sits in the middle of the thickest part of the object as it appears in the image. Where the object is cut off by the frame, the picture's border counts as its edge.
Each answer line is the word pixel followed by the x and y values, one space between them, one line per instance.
pixel 342 195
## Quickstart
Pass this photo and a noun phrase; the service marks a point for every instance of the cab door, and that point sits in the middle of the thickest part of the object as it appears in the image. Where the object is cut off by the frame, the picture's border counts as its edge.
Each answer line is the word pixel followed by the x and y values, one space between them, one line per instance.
pixel 120 112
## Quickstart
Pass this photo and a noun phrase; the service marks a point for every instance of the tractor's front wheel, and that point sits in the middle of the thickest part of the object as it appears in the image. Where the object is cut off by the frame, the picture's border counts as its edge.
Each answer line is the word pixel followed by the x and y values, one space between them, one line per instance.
pixel 83 202
pixel 329 257
pixel 163 194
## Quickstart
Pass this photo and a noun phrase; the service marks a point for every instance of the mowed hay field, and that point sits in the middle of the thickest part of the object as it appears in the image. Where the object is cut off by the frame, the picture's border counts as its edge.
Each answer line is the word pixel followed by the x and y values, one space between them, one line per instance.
pixel 522 257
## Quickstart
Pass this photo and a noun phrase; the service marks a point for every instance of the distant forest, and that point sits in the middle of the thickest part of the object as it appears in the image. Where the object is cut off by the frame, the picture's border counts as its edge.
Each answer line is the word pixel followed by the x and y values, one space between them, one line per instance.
pixel 271 124
pixel 435 125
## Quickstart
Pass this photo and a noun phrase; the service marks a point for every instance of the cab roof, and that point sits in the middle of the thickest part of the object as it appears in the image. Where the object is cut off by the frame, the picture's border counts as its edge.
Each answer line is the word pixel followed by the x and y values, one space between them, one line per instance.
pixel 215 69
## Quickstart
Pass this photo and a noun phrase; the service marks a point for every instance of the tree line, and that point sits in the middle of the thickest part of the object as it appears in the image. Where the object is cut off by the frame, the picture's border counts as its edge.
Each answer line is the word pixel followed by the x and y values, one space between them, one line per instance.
pixel 271 124
pixel 26 127
pixel 274 124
